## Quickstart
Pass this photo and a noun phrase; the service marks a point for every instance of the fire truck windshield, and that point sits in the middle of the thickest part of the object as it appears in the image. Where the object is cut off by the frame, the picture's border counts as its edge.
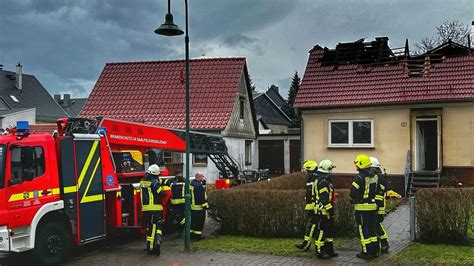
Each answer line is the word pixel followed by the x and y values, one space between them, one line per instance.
pixel 2 165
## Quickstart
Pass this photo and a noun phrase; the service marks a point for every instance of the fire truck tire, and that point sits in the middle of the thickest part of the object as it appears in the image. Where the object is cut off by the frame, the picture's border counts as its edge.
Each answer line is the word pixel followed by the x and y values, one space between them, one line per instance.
pixel 52 243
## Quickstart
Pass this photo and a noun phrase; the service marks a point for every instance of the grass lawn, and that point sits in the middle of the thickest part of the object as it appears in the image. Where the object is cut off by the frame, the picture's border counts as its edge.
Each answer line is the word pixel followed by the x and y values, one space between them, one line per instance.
pixel 418 253
pixel 268 246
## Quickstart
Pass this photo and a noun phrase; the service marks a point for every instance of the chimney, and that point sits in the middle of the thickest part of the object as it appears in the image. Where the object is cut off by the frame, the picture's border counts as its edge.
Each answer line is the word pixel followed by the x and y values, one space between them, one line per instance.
pixel 57 98
pixel 19 77
pixel 274 88
pixel 67 100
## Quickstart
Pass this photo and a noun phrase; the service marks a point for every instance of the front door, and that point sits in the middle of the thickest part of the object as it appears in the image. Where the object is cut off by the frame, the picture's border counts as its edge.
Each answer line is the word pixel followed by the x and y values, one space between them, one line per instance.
pixel 427 144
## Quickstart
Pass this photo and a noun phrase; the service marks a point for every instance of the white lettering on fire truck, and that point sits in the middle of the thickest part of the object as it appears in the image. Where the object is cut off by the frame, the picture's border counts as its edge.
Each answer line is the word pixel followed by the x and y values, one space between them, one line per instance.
pixel 130 138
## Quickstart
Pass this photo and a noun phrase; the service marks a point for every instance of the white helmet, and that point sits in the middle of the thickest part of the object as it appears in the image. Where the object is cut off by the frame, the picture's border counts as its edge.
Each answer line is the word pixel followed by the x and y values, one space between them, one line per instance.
pixel 153 170
pixel 375 162
pixel 326 166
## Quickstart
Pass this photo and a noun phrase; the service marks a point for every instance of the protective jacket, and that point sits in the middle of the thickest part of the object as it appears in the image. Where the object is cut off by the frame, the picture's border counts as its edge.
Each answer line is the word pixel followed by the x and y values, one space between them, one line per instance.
pixel 382 190
pixel 309 196
pixel 151 194
pixel 198 196
pixel 364 189
pixel 177 191
pixel 323 196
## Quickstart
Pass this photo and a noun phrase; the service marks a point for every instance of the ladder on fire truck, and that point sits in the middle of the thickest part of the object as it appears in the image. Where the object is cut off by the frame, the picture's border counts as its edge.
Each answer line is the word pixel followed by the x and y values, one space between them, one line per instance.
pixel 126 134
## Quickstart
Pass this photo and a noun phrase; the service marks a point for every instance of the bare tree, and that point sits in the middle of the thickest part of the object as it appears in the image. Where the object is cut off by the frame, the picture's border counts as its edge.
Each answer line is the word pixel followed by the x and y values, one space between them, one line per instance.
pixel 449 30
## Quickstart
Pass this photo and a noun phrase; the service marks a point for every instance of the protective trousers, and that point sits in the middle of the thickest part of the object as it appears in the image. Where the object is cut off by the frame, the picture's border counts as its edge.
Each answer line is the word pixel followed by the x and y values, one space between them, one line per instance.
pixel 330 228
pixel 311 227
pixel 153 237
pixel 366 227
pixel 198 217
pixel 324 234
pixel 178 214
pixel 382 234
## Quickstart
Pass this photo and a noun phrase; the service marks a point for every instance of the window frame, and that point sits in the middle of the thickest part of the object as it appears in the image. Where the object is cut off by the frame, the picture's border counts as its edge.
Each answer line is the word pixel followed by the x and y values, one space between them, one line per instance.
pixel 200 163
pixel 36 159
pixel 351 143
pixel 241 108
pixel 250 159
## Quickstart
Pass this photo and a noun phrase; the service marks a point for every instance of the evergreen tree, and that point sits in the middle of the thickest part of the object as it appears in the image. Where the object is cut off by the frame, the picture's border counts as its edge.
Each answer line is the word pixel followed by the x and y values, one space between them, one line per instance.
pixel 252 85
pixel 288 108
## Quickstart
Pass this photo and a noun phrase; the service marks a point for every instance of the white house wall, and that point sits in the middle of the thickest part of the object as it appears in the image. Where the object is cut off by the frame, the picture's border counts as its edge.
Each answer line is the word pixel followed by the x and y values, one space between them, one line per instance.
pixel 236 149
pixel 24 115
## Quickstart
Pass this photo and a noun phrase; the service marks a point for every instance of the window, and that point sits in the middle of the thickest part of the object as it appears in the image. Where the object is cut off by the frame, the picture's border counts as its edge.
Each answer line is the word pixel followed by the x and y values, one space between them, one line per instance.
pixel 351 133
pixel 27 163
pixel 199 159
pixel 242 107
pixel 248 152
pixel 170 157
pixel 13 97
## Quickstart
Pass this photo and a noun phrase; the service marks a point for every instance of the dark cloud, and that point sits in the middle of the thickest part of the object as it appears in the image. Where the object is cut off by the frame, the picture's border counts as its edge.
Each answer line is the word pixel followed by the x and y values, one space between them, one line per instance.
pixel 66 43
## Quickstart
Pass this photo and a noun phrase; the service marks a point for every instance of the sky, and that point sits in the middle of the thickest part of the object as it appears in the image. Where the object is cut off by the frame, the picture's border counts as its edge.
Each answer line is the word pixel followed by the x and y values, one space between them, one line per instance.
pixel 66 43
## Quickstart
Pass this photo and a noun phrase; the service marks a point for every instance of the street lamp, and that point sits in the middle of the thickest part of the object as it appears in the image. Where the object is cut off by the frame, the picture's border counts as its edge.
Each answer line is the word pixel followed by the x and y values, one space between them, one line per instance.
pixel 170 29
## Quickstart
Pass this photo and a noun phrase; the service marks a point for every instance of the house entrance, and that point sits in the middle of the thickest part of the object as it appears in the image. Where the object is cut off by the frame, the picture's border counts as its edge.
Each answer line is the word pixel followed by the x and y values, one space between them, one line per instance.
pixel 427 144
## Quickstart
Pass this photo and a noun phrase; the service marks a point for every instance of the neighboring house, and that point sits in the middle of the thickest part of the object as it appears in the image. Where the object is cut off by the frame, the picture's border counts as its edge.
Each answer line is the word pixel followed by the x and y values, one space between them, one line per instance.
pixel 22 97
pixel 278 148
pixel 393 106
pixel 72 106
pixel 274 93
pixel 154 93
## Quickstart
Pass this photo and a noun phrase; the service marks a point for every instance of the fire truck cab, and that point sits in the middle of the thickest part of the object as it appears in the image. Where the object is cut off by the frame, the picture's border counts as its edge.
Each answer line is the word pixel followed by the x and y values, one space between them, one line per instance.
pixel 63 189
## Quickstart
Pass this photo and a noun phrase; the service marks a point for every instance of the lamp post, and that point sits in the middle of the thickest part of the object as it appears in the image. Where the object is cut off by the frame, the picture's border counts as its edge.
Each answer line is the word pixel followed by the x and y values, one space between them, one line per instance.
pixel 170 29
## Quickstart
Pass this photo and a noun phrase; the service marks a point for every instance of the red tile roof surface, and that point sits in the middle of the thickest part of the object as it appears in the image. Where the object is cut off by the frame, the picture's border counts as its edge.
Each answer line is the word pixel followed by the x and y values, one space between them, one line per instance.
pixel 154 92
pixel 355 85
pixel 43 128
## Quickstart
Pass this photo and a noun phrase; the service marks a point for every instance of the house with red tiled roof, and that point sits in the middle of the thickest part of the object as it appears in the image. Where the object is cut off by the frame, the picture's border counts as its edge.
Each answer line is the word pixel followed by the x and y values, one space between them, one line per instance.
pixel 414 113
pixel 154 93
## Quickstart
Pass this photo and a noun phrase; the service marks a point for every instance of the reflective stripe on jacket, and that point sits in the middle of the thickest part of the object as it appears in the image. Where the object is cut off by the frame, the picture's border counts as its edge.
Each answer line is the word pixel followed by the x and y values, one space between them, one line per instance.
pixel 177 193
pixel 198 196
pixel 151 194
pixel 364 189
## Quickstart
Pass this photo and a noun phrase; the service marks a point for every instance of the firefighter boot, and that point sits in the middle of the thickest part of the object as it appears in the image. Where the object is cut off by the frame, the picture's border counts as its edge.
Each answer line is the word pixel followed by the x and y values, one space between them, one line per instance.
pixel 305 245
pixel 384 246
pixel 330 249
pixel 323 254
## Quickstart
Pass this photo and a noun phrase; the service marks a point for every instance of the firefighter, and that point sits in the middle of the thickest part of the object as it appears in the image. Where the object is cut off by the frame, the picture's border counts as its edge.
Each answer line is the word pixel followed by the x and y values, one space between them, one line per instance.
pixel 325 206
pixel 152 208
pixel 177 198
pixel 311 217
pixel 364 189
pixel 380 199
pixel 199 206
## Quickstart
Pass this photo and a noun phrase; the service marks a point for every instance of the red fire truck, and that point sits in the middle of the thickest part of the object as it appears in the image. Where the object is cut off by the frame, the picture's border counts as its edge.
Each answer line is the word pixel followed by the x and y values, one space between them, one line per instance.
pixel 69 188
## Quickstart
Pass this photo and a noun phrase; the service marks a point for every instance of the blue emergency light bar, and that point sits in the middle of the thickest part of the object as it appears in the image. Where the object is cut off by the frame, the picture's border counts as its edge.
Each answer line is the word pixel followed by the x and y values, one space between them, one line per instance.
pixel 22 126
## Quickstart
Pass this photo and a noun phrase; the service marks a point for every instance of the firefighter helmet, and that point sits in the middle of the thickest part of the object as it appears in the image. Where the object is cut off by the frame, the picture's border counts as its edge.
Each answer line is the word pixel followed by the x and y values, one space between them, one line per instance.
pixel 326 166
pixel 153 170
pixel 362 161
pixel 310 165
pixel 375 162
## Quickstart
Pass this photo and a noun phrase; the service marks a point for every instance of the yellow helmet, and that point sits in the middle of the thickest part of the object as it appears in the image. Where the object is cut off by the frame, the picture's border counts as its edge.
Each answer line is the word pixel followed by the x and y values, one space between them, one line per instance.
pixel 326 166
pixel 362 161
pixel 310 165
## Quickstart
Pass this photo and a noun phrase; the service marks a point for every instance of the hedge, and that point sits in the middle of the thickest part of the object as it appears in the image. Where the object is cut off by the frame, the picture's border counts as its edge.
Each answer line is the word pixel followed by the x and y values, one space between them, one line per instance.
pixel 256 211
pixel 292 181
pixel 444 214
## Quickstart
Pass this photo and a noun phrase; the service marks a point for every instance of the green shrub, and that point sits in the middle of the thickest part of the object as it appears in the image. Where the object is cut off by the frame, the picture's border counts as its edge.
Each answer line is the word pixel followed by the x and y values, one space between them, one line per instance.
pixel 448 181
pixel 255 211
pixel 443 214
pixel 286 182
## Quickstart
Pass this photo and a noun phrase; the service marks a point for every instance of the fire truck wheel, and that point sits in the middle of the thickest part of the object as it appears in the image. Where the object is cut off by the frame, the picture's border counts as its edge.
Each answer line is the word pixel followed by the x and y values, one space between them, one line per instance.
pixel 52 243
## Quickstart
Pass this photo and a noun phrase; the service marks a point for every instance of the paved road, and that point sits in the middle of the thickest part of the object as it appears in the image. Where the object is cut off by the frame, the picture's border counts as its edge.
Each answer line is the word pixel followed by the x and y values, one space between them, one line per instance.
pixel 130 251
